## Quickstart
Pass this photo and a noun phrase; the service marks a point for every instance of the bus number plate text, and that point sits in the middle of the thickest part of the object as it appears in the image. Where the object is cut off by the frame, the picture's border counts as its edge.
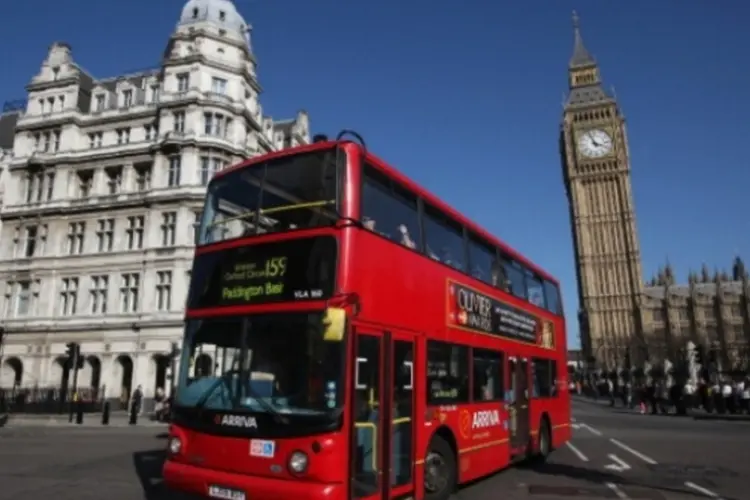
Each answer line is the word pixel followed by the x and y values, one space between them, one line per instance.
pixel 225 493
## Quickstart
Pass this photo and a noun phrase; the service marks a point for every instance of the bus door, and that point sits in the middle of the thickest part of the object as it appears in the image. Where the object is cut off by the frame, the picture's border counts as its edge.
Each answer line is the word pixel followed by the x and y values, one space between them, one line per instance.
pixel 518 405
pixel 382 415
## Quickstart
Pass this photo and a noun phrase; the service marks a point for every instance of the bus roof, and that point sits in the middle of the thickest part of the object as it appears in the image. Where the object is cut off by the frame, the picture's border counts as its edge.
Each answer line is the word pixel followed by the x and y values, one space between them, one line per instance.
pixel 411 185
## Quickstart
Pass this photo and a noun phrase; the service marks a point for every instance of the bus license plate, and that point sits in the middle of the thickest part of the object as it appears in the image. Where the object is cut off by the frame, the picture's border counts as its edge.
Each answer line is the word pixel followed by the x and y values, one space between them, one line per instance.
pixel 225 493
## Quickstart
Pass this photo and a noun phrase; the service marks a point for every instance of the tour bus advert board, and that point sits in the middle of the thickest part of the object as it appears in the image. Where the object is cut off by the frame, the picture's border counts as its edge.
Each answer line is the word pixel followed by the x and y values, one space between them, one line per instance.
pixel 291 270
pixel 471 310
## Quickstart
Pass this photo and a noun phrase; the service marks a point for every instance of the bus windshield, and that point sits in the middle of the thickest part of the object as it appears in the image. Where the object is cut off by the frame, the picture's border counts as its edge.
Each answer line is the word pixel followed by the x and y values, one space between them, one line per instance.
pixel 278 363
pixel 292 192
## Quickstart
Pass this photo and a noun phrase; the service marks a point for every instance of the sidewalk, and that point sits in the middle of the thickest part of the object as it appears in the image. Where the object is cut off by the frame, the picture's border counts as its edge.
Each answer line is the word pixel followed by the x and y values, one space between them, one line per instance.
pixel 695 413
pixel 89 420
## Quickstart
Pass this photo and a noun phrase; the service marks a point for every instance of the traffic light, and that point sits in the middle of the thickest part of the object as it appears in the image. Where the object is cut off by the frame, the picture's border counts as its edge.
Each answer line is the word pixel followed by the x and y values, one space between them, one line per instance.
pixel 72 350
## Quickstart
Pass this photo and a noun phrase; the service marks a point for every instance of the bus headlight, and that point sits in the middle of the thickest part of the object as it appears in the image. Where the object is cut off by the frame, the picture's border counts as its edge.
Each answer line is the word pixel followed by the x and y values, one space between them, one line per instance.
pixel 175 445
pixel 298 462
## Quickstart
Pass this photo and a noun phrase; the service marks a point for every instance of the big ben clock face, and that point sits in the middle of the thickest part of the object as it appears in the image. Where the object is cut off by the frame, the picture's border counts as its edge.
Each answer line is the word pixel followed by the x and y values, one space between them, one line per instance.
pixel 594 143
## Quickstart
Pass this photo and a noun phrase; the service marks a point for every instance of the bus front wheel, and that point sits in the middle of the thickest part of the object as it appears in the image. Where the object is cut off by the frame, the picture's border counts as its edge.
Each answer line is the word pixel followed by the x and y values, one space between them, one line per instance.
pixel 439 470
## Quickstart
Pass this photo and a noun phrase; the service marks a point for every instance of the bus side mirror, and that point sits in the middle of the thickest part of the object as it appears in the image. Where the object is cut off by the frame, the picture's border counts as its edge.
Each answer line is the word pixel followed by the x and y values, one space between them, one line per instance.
pixel 334 323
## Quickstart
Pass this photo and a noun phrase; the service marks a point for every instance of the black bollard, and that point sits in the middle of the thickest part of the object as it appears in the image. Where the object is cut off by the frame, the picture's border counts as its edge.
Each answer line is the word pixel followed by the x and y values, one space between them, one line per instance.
pixel 105 414
pixel 79 413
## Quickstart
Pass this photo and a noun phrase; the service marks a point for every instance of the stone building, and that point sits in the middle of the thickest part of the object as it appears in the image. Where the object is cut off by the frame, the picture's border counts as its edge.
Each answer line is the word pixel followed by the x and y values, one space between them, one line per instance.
pixel 618 311
pixel 102 190
pixel 711 310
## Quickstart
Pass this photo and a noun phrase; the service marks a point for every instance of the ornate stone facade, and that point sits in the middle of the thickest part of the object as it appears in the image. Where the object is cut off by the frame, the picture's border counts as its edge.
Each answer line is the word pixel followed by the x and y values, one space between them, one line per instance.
pixel 103 181
pixel 711 310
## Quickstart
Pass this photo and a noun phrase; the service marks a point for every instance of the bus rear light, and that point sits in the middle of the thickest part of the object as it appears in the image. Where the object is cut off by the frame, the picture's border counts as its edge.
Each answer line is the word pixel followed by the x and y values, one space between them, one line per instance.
pixel 298 462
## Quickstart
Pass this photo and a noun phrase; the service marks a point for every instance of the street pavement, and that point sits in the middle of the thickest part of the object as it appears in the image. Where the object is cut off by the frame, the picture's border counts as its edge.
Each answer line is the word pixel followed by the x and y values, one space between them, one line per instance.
pixel 615 454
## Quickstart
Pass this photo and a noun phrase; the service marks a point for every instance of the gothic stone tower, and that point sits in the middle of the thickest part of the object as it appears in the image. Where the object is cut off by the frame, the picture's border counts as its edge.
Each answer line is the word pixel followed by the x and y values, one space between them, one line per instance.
pixel 596 169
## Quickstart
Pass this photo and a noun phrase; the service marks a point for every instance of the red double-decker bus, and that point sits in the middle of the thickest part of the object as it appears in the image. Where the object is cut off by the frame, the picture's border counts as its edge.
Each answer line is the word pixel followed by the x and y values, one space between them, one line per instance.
pixel 348 335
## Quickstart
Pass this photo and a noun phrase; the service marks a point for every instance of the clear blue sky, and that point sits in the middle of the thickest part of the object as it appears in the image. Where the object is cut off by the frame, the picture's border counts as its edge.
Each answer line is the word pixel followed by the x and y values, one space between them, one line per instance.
pixel 465 97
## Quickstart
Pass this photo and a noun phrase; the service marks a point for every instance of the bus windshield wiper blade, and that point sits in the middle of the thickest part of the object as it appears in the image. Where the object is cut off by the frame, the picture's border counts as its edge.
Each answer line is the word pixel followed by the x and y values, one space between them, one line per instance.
pixel 271 409
pixel 223 379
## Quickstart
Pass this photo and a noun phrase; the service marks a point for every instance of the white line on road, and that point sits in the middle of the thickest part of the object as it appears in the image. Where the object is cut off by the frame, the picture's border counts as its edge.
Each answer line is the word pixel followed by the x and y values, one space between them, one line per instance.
pixel 578 452
pixel 701 489
pixel 619 465
pixel 576 426
pixel 591 429
pixel 633 452
pixel 616 490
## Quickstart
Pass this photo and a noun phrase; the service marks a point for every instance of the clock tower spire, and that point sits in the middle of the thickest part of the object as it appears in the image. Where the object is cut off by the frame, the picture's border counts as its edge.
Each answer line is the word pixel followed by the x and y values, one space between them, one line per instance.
pixel 596 170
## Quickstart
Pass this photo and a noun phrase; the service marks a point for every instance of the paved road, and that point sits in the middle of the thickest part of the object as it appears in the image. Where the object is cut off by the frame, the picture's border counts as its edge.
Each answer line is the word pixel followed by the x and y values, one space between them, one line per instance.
pixel 614 455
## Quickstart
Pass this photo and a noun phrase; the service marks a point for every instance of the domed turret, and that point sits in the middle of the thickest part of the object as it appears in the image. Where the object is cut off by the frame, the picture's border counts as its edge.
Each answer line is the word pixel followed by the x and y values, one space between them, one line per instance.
pixel 222 13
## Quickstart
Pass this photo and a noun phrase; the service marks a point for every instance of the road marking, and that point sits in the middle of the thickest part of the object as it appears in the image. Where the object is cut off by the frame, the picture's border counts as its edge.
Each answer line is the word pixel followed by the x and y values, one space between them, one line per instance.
pixel 633 452
pixel 701 489
pixel 576 426
pixel 616 490
pixel 619 465
pixel 573 420
pixel 578 452
pixel 591 429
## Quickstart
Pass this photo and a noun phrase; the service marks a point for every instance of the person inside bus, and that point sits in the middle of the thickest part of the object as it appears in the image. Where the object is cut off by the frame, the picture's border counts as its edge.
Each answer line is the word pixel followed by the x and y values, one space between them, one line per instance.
pixel 406 240
pixel 499 278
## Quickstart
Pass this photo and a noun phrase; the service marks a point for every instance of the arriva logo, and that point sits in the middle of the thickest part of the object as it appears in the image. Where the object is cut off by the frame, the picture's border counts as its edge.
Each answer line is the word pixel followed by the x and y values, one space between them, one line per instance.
pixel 239 421
pixel 487 418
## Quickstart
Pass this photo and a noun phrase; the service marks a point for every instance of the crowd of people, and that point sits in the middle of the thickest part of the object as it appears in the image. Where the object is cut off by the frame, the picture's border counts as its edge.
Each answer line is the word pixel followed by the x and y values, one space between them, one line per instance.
pixel 725 394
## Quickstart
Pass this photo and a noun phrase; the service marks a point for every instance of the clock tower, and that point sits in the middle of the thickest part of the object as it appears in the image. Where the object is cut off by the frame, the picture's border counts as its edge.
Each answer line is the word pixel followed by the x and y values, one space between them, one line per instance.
pixel 596 170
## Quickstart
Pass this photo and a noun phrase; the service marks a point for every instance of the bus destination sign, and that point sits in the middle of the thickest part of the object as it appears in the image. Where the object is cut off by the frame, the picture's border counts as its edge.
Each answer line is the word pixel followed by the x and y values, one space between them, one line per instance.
pixel 471 310
pixel 292 270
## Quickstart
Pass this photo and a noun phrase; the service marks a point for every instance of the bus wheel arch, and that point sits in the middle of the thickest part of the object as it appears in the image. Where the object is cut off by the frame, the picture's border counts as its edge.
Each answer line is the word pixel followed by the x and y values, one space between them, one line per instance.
pixel 441 461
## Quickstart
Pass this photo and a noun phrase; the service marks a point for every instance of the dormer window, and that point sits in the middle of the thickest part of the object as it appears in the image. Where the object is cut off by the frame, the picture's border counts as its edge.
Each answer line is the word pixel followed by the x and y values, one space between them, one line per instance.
pixel 56 72
pixel 222 32
pixel 222 15
pixel 195 13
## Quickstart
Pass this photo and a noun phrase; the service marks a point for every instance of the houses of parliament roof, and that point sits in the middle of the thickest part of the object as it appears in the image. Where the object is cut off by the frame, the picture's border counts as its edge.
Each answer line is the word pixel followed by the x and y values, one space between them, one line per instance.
pixel 704 283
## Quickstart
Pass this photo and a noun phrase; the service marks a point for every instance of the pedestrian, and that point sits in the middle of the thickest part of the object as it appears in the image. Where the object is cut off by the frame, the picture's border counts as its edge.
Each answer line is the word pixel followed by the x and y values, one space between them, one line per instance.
pixel 135 405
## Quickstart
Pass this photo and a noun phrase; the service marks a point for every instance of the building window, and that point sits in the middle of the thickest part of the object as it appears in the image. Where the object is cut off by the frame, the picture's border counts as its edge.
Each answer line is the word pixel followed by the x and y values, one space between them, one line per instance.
pixel 69 296
pixel 19 298
pixel 179 122
pixel 447 373
pixel 34 186
pixel 99 289
pixel 209 167
pixel 34 238
pixel 50 182
pixel 127 98
pixel 95 140
pixel 218 85
pixel 143 177
pixel 168 225
pixel 183 82
pixel 163 290
pixel 105 230
pixel 114 179
pixel 129 288
pixel 100 102
pixel 76 236
pixel 56 141
pixel 123 135
pixel 85 182
pixel 135 232
pixel 215 124
pixel 154 93
pixel 175 165
pixel 150 131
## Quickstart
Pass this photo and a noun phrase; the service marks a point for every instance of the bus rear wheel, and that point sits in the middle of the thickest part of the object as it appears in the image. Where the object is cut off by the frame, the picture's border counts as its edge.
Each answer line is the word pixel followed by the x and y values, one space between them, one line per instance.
pixel 439 470
pixel 544 446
